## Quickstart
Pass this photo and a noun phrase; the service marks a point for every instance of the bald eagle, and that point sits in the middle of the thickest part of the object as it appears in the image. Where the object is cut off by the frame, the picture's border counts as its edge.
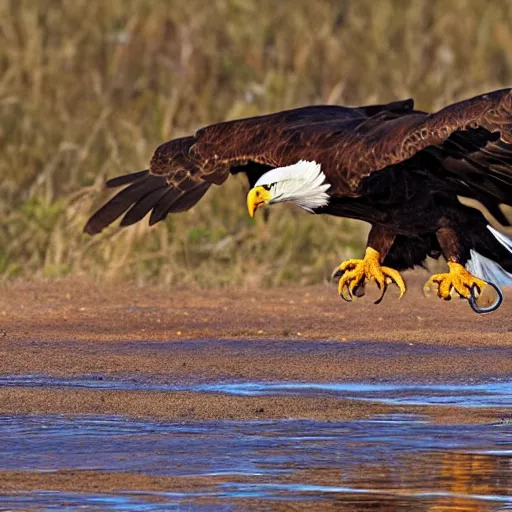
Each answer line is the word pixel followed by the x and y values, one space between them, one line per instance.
pixel 399 169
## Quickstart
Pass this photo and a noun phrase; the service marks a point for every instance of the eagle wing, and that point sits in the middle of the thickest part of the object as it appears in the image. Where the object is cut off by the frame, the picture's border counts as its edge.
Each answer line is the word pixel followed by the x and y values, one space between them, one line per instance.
pixel 270 141
pixel 182 170
pixel 469 142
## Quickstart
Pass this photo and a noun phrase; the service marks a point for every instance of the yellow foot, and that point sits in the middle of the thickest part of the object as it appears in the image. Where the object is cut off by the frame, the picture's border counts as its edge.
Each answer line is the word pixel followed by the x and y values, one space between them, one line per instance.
pixel 353 273
pixel 458 279
pixel 464 284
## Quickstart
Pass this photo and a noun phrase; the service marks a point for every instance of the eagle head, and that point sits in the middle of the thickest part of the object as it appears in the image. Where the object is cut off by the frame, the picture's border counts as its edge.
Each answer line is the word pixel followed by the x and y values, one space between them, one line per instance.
pixel 302 183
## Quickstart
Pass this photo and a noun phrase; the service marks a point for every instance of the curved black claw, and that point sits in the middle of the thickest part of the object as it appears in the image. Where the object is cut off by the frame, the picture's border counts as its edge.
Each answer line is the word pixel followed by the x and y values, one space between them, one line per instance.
pixel 489 309
pixel 382 293
pixel 342 294
pixel 337 274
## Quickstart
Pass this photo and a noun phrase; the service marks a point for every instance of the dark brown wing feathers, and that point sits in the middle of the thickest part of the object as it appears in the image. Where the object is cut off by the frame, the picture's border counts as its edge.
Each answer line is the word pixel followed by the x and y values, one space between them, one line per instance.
pixel 142 207
pixel 122 201
pixel 126 179
pixel 173 184
pixel 471 142
pixel 178 200
pixel 402 138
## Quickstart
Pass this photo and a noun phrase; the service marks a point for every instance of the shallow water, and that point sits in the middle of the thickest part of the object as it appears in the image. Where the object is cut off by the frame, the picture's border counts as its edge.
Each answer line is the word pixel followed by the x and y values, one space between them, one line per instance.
pixel 496 392
pixel 386 463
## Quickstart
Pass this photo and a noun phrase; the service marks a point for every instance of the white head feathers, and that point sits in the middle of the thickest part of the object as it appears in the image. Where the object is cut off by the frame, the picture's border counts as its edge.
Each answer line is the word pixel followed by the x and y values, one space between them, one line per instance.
pixel 302 183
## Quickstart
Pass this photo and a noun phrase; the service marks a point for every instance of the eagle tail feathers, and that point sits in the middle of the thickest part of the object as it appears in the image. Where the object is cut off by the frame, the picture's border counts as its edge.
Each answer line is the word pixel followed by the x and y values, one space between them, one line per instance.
pixel 488 269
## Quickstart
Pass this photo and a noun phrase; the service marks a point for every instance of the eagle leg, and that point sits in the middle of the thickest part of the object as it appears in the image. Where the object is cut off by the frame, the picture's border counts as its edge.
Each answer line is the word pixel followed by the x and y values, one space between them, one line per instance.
pixel 353 274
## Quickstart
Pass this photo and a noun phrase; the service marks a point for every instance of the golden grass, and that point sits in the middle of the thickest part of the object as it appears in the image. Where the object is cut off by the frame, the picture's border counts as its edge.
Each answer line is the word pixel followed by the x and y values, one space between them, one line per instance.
pixel 89 88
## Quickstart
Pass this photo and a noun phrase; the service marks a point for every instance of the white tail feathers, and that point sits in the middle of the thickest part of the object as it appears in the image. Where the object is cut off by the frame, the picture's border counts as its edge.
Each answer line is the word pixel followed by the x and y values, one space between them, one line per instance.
pixel 487 269
pixel 502 239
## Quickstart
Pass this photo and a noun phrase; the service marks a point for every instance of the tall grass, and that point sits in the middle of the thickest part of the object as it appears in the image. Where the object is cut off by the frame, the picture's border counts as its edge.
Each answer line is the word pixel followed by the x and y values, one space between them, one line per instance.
pixel 89 88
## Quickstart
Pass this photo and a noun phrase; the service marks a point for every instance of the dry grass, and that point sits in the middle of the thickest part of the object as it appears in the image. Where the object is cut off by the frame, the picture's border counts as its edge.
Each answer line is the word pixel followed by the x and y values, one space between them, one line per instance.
pixel 88 88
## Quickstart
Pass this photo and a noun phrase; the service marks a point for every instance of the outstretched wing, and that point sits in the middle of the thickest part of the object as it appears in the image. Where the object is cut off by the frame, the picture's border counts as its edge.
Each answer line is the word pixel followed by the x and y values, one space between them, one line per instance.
pixel 284 138
pixel 182 170
pixel 470 141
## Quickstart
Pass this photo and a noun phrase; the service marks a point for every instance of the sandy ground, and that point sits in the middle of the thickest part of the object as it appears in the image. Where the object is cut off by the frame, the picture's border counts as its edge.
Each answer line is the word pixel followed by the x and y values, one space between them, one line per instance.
pixel 67 310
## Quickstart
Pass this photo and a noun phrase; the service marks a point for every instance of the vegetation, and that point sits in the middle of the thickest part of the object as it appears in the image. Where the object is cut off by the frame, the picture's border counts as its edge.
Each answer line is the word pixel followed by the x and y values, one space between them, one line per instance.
pixel 88 89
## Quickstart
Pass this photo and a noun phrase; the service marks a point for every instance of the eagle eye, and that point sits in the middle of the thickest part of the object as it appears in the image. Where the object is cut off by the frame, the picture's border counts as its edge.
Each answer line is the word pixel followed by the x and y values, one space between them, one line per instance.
pixel 266 187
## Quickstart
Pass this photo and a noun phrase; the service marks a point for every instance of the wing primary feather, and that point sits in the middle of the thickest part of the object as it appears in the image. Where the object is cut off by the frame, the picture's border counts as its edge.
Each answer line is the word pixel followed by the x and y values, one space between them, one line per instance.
pixel 175 201
pixel 126 179
pixel 190 198
pixel 141 208
pixel 162 206
pixel 122 201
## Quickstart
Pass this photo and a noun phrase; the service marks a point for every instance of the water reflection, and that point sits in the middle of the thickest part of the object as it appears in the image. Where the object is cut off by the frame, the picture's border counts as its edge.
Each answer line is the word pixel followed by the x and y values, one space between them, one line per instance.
pixel 390 463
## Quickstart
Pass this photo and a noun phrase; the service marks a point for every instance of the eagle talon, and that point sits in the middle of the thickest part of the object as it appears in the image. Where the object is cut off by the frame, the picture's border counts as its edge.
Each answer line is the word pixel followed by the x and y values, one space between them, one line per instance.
pixel 465 285
pixel 353 274
pixel 489 309
pixel 384 288
pixel 336 275
pixel 342 295
pixel 474 288
pixel 342 290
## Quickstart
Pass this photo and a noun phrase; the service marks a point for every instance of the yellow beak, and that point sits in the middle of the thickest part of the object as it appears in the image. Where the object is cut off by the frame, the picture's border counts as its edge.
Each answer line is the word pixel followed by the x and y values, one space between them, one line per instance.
pixel 258 196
